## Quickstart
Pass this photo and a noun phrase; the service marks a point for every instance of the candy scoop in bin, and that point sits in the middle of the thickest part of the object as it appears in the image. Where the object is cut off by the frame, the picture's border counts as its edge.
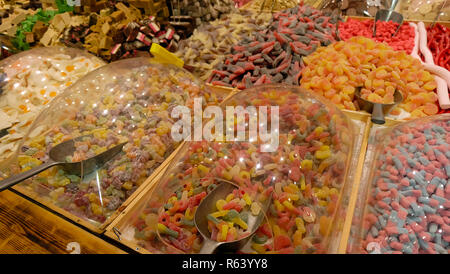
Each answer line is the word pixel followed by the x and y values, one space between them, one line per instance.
pixel 207 205
pixel 388 15
pixel 58 156
pixel 378 110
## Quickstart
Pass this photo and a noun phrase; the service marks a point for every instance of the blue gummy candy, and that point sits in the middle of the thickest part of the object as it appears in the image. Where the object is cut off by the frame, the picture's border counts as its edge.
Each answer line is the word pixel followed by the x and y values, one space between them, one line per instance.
pixel 447 170
pixel 412 148
pixel 374 231
pixel 411 163
pixel 433 228
pixel 428 209
pixel 424 161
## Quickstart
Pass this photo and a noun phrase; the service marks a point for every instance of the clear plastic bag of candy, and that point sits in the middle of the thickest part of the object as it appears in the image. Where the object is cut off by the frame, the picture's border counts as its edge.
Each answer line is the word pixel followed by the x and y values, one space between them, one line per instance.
pixel 30 80
pixel 305 176
pixel 129 100
pixel 355 7
pixel 425 9
pixel 403 205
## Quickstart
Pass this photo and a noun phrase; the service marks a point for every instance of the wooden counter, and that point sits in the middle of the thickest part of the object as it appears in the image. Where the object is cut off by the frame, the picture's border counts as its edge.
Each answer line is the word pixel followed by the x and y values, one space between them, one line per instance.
pixel 28 228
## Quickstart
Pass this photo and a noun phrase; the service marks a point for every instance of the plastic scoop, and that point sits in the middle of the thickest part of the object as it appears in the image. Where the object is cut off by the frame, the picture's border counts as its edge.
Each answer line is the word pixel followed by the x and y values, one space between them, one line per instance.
pixel 208 205
pixel 163 56
pixel 58 156
pixel 378 110
pixel 388 15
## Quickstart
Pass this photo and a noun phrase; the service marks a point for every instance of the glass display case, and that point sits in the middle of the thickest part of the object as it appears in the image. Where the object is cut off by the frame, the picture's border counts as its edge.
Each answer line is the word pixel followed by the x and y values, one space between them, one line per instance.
pixel 304 176
pixel 403 204
pixel 130 100
pixel 30 80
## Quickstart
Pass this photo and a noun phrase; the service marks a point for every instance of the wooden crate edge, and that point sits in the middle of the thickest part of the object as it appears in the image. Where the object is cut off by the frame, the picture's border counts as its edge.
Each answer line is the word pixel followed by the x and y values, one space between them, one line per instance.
pixel 70 216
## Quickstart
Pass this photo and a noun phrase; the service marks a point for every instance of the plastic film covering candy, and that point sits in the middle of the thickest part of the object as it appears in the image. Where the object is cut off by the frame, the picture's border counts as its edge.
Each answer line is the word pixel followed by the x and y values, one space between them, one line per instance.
pixel 304 176
pixel 425 9
pixel 407 206
pixel 127 100
pixel 31 79
pixel 337 70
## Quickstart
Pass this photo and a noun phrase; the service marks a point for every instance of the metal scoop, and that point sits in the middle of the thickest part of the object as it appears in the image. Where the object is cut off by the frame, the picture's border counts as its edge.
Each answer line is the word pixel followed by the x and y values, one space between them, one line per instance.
pixel 378 110
pixel 208 205
pixel 58 156
pixel 388 15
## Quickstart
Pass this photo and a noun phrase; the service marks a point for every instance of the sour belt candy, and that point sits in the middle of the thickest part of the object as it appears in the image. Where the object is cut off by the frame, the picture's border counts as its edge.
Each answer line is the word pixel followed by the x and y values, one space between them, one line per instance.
pixel 304 175
pixel 335 72
pixel 408 207
pixel 275 55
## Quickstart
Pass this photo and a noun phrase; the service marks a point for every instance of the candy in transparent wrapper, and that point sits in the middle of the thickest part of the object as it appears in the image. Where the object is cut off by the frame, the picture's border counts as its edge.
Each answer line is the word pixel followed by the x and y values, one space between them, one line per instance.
pixel 425 9
pixel 129 100
pixel 304 176
pixel 403 204
pixel 355 7
pixel 30 80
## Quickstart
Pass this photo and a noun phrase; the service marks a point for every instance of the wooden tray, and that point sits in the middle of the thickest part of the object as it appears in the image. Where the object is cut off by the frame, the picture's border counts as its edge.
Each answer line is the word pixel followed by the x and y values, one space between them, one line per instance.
pixel 27 228
pixel 220 91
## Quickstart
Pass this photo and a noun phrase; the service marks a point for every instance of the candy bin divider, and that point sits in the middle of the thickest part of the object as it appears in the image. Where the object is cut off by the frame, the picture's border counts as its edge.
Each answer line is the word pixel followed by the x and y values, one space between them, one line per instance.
pixel 357 171
pixel 364 186
pixel 136 204
pixel 334 229
pixel 137 199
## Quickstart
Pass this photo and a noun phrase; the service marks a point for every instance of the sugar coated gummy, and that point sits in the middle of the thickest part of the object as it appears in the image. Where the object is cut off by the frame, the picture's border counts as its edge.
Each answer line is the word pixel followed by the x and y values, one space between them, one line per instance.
pixel 133 104
pixel 408 206
pixel 304 177
pixel 337 70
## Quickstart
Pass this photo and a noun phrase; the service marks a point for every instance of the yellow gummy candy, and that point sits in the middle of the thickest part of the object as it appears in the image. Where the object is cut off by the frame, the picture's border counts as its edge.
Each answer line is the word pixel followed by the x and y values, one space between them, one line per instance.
pixel 247 199
pixel 219 213
pixel 307 164
pixel 224 232
pixel 240 222
pixel 321 155
pixel 229 197
pixel 220 203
